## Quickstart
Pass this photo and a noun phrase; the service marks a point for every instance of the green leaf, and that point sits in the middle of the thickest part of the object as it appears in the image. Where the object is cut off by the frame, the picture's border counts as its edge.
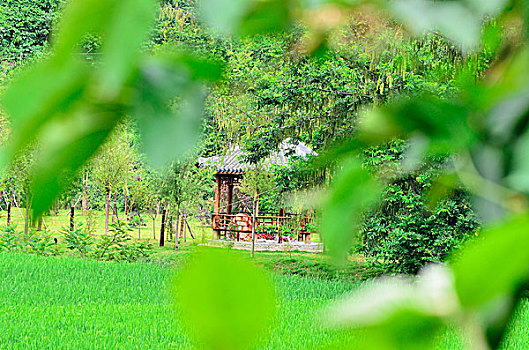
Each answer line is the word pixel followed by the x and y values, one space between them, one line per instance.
pixel 65 146
pixel 126 31
pixel 444 123
pixel 398 312
pixel 452 18
pixel 44 92
pixel 495 265
pixel 82 17
pixel 224 15
pixel 226 302
pixel 268 16
pixel 353 191
pixel 169 108
pixel 247 17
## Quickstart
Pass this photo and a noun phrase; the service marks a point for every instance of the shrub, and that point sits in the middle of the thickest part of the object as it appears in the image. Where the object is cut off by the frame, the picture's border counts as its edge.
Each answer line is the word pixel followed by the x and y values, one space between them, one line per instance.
pixel 78 240
pixel 404 233
pixel 9 240
pixel 119 246
pixel 413 235
pixel 40 244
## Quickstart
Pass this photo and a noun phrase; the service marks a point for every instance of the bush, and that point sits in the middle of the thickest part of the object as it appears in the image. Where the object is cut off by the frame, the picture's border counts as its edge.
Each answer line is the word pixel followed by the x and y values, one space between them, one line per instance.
pixel 404 233
pixel 39 243
pixel 119 246
pixel 412 235
pixel 78 240
pixel 9 240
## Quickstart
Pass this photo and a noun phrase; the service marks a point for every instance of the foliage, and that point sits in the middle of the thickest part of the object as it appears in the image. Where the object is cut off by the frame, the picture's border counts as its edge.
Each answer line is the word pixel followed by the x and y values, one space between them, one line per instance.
pixel 25 26
pixel 224 323
pixel 408 230
pixel 119 246
pixel 469 100
pixel 78 240
pixel 9 240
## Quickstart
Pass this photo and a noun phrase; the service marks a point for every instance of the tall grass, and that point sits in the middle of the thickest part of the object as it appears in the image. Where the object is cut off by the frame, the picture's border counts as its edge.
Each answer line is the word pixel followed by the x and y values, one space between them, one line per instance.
pixel 68 303
pixel 73 303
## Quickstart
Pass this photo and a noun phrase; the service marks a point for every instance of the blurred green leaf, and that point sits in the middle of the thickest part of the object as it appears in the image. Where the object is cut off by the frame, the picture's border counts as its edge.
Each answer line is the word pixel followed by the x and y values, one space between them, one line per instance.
pixel 445 124
pixel 495 265
pixel 224 15
pixel 169 104
pixel 247 17
pixel 452 18
pixel 398 312
pixel 65 147
pixel 121 52
pixel 35 98
pixel 518 178
pixel 266 16
pixel 353 192
pixel 74 24
pixel 226 301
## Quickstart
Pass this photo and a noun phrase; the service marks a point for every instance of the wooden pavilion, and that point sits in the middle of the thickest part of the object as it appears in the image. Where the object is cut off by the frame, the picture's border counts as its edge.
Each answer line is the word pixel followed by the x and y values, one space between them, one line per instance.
pixel 229 169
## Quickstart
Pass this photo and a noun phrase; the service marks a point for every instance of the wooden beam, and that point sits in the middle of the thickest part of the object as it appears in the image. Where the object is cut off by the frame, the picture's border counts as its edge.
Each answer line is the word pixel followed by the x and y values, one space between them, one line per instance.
pixel 216 206
pixel 229 196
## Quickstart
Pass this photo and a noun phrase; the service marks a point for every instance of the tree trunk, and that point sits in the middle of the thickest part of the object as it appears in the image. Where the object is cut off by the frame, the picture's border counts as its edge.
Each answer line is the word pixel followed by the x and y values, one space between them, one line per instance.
pixel 125 194
pixel 168 219
pixel 182 224
pixel 115 208
pixel 162 228
pixel 39 225
pixel 154 227
pixel 72 216
pixel 175 224
pixel 139 225
pixel 26 219
pixel 175 228
pixel 9 211
pixel 107 209
pixel 85 194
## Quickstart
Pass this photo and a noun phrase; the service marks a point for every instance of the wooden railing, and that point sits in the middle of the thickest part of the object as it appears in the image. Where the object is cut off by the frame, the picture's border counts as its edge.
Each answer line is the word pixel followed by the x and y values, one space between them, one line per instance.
pixel 243 222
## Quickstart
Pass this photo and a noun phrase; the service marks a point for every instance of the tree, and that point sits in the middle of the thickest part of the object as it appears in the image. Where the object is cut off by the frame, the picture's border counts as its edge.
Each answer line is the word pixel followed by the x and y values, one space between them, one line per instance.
pixel 109 169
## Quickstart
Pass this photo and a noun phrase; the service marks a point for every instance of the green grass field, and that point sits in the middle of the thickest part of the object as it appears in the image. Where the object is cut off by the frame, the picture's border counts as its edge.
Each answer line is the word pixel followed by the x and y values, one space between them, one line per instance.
pixel 74 303
pixel 66 303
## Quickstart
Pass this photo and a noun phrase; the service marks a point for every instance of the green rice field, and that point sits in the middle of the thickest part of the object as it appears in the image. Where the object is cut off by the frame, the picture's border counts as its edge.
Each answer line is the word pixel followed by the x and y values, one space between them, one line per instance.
pixel 69 303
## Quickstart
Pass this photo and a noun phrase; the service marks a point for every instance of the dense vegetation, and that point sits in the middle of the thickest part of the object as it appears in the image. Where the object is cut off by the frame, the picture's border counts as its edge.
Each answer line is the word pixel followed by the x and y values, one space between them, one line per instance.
pixel 417 136
pixel 270 92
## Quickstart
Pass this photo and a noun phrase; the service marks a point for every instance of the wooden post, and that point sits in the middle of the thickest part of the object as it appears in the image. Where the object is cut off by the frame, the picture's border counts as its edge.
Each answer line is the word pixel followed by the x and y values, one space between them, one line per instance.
pixel 229 197
pixel 216 208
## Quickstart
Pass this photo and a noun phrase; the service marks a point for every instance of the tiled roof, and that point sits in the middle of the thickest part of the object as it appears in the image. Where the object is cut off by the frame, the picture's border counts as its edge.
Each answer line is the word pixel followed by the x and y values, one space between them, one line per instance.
pixel 232 162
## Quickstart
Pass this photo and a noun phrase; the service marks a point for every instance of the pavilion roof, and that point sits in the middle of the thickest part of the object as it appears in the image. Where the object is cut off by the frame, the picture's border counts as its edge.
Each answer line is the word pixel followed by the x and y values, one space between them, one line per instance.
pixel 232 161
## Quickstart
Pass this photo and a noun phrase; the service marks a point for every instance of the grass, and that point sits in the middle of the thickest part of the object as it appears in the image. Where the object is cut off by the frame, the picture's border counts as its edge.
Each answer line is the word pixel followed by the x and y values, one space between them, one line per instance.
pixel 64 302
pixel 73 303
pixel 55 223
